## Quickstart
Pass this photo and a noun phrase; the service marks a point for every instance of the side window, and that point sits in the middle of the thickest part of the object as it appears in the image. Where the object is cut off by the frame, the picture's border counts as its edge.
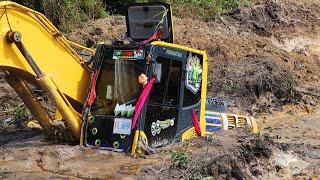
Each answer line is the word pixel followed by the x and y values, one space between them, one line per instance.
pixel 167 91
pixel 190 98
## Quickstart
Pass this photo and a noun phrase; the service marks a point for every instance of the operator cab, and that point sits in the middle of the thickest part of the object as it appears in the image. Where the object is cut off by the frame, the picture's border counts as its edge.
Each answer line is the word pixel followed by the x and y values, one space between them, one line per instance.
pixel 160 110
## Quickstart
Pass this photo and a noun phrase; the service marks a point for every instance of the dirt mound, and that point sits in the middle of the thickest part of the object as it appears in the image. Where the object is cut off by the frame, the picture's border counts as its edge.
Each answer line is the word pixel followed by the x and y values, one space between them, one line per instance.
pixel 287 148
pixel 268 31
pixel 235 155
pixel 249 160
pixel 98 31
pixel 269 17
pixel 259 80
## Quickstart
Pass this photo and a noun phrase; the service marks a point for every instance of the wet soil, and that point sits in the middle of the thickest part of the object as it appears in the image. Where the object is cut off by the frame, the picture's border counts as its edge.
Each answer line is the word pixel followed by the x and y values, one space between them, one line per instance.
pixel 288 147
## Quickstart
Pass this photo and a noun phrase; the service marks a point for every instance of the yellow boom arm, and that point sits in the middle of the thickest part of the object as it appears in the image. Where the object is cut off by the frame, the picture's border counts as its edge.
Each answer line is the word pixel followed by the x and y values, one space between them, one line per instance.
pixel 34 51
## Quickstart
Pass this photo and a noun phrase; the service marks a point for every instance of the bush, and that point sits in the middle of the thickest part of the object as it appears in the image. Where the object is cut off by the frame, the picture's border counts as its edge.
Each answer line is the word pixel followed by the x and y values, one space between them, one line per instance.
pixel 20 115
pixel 67 14
pixel 117 7
pixel 34 4
pixel 207 9
pixel 180 158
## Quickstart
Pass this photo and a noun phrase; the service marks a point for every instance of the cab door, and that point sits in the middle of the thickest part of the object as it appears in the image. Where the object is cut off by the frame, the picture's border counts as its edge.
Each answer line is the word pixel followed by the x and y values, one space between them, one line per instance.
pixel 191 92
pixel 165 102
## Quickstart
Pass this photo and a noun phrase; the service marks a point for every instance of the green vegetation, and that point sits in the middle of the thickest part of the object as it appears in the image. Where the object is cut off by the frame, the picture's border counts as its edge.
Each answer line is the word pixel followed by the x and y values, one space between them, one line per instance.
pixel 212 5
pixel 68 14
pixel 20 114
pixel 206 9
pixel 34 4
pixel 117 7
pixel 180 159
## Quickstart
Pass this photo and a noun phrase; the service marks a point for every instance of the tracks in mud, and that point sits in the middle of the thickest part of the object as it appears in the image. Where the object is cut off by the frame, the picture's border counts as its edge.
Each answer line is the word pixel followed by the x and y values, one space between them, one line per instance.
pixel 58 173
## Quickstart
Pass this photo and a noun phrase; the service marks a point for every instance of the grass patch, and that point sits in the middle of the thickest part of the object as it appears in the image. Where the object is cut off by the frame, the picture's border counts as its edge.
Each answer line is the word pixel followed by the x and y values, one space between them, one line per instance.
pixel 20 115
pixel 68 14
pixel 180 158
pixel 207 9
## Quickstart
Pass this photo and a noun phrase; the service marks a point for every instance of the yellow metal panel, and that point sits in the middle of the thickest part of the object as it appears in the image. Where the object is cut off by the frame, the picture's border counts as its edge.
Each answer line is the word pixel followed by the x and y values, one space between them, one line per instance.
pixel 57 116
pixel 254 124
pixel 72 118
pixel 135 141
pixel 204 95
pixel 190 133
pixel 51 51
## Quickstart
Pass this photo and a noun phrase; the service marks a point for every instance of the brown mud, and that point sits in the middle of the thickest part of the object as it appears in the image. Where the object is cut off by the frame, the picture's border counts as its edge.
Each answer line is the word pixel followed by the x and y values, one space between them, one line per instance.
pixel 265 60
pixel 290 149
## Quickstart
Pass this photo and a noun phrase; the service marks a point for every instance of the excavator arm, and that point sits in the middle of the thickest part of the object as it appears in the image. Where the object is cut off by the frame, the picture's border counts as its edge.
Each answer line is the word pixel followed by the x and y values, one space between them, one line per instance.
pixel 33 51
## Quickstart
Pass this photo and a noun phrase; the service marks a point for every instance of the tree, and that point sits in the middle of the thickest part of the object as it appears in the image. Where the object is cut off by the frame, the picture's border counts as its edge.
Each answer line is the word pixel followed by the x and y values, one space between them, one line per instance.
pixel 34 4
pixel 38 5
pixel 118 6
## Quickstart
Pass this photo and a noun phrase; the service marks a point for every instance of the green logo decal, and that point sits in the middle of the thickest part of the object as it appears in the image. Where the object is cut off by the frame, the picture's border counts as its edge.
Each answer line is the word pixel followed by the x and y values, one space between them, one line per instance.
pixel 156 127
pixel 194 73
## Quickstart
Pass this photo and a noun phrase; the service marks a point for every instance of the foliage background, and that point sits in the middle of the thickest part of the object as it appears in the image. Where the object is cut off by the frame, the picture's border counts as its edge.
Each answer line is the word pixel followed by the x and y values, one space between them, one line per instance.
pixel 69 14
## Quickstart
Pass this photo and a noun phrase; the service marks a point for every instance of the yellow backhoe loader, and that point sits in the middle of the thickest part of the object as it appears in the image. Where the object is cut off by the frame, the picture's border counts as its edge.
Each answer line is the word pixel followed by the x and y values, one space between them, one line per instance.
pixel 141 91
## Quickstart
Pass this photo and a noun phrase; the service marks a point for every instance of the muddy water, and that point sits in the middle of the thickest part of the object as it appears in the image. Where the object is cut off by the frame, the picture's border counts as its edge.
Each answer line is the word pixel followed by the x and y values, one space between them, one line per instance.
pixel 299 128
pixel 31 157
pixel 298 137
pixel 34 158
